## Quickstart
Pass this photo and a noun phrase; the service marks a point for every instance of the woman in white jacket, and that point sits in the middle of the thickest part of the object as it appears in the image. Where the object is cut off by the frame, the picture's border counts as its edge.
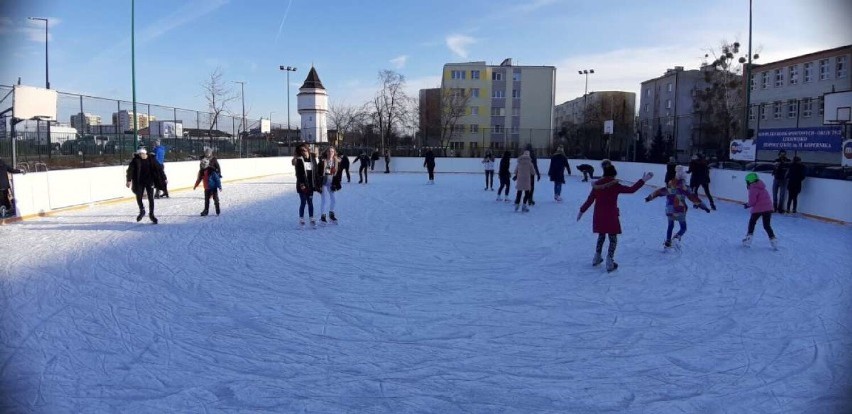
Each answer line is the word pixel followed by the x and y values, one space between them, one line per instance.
pixel 488 163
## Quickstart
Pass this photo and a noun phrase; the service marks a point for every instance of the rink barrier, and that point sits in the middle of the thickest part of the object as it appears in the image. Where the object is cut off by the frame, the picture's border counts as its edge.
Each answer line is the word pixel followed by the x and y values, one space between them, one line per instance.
pixel 41 193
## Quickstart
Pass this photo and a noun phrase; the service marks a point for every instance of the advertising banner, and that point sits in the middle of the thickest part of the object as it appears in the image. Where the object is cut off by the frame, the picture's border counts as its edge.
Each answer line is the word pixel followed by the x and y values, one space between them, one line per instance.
pixel 847 153
pixel 743 150
pixel 824 139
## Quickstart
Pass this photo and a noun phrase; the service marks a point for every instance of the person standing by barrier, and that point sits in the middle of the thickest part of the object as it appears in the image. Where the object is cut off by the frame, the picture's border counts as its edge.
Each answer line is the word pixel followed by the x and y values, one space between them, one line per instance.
pixel 143 174
pixel 605 222
pixel 373 158
pixel 387 161
pixel 794 184
pixel 488 163
pixel 344 167
pixel 761 208
pixel 779 181
pixel 504 175
pixel 160 156
pixel 212 185
pixel 306 165
pixel 524 172
pixel 363 168
pixel 328 182
pixel 700 177
pixel 429 163
pixel 6 206
pixel 556 172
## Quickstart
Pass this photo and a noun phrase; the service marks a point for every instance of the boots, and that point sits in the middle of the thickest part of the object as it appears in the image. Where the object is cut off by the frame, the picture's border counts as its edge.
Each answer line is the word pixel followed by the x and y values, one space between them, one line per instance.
pixel 747 240
pixel 332 217
pixel 518 206
pixel 525 209
pixel 217 209
pixel 774 242
pixel 153 219
pixel 204 213
pixel 611 264
pixel 141 214
pixel 597 260
pixel 322 219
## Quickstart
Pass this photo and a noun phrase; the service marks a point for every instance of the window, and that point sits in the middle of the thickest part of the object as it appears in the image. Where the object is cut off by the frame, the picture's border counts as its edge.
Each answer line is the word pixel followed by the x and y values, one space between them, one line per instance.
pixel 792 108
pixel 808 72
pixel 793 74
pixel 646 108
pixel 496 145
pixel 762 112
pixel 668 104
pixel 823 69
pixel 753 82
pixel 669 87
pixel 498 94
pixel 779 78
pixel 516 93
pixel 474 92
pixel 516 129
pixel 474 128
pixel 498 111
pixel 807 107
pixel 474 110
pixel 457 92
pixel 751 113
pixel 474 145
pixel 648 92
pixel 821 105
pixel 516 76
pixel 456 145
pixel 776 110
pixel 496 76
pixel 516 111
pixel 841 67
pixel 765 80
pixel 474 74
pixel 497 129
pixel 457 74
pixel 457 128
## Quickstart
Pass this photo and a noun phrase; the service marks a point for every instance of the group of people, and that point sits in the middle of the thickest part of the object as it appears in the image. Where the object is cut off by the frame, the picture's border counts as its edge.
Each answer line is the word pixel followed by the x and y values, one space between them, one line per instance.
pixel 787 177
pixel 322 175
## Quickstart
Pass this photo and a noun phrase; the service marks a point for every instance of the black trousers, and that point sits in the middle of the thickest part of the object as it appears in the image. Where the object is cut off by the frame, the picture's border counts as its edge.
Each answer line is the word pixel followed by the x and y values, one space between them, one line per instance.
pixel 489 179
pixel 504 183
pixel 362 174
pixel 532 189
pixel 527 196
pixel 431 170
pixel 613 244
pixel 706 187
pixel 387 166
pixel 150 190
pixel 767 225
pixel 346 170
pixel 214 194
pixel 306 200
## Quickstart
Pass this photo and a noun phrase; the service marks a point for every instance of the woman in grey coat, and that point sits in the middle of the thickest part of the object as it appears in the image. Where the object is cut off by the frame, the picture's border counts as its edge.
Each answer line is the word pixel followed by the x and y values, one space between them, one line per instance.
pixel 524 172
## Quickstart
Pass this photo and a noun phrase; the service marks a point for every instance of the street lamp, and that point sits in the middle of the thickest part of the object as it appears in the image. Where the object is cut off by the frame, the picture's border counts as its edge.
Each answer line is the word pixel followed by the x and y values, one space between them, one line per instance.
pixel 46 73
pixel 243 97
pixel 748 76
pixel 288 69
pixel 586 72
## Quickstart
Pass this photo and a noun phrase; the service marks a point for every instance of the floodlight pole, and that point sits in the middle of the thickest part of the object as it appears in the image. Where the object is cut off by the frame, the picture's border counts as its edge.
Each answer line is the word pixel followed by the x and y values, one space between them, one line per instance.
pixel 133 71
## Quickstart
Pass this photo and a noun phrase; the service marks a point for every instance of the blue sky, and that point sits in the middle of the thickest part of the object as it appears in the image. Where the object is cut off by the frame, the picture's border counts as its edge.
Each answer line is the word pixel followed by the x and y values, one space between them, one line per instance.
pixel 180 42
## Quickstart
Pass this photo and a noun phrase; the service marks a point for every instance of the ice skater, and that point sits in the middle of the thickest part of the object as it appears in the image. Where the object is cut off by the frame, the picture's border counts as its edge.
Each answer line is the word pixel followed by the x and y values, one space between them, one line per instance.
pixel 387 161
pixel 523 177
pixel 605 221
pixel 143 175
pixel 6 188
pixel 676 194
pixel 329 182
pixel 344 167
pixel 305 164
pixel 761 208
pixel 779 181
pixel 556 172
pixel 212 186
pixel 795 176
pixel 429 163
pixel 587 170
pixel 488 163
pixel 363 168
pixel 160 156
pixel 700 177
pixel 504 175
pixel 534 161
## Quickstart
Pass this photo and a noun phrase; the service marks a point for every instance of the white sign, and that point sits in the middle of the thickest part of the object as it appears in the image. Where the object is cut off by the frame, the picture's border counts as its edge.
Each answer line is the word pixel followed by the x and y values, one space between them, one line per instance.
pixel 847 153
pixel 30 102
pixel 166 129
pixel 265 126
pixel 743 150
pixel 609 126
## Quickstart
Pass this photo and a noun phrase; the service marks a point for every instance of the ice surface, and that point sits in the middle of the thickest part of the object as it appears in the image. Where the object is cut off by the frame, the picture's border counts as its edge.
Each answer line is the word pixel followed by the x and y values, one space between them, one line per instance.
pixel 424 299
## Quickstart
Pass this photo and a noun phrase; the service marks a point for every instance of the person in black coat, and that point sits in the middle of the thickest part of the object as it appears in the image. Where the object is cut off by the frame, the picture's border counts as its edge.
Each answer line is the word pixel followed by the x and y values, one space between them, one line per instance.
pixel 537 173
pixel 587 170
pixel 6 186
pixel 779 181
pixel 144 174
pixel 504 175
pixel 373 158
pixel 429 163
pixel 363 168
pixel 344 167
pixel 700 177
pixel 558 164
pixel 387 161
pixel 795 176
pixel 306 167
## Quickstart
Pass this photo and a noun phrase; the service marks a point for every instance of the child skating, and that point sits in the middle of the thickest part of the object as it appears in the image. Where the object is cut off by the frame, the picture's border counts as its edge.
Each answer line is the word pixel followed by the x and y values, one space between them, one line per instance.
pixel 605 221
pixel 212 185
pixel 761 208
pixel 676 193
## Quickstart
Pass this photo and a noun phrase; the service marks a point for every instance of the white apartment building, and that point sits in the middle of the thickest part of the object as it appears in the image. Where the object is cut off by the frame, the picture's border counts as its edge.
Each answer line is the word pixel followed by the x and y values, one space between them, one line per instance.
pixel 81 121
pixel 124 120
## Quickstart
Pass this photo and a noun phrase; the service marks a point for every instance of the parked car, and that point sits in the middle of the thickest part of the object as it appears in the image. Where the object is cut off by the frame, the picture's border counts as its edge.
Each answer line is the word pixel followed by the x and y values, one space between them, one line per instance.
pixel 727 165
pixel 760 166
pixel 836 173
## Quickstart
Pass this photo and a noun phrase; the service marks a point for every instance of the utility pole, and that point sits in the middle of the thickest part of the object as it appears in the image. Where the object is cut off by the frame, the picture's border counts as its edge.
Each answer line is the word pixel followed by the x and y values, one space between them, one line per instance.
pixel 288 69
pixel 243 126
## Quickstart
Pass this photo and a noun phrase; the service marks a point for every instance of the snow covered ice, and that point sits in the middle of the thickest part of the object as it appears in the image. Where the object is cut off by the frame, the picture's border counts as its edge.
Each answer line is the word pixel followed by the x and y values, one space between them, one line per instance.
pixel 424 299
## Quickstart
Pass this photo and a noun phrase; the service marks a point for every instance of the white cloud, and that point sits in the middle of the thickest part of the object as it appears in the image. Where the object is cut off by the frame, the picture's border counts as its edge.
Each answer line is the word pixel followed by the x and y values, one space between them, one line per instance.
pixel 399 61
pixel 458 44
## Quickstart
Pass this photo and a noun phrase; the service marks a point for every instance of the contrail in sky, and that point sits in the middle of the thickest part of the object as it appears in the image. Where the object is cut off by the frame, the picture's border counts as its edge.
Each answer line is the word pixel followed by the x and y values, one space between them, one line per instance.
pixel 282 21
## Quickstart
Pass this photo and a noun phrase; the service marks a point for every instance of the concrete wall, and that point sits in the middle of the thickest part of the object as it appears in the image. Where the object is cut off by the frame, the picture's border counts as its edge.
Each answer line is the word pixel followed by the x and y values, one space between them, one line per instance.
pixel 39 193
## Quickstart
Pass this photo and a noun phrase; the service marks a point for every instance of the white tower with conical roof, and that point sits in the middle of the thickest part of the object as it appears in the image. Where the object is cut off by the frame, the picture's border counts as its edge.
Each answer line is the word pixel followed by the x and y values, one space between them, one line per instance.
pixel 313 108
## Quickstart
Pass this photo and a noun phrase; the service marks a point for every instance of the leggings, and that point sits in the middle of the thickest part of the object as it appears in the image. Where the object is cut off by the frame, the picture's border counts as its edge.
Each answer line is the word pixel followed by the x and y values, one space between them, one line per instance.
pixel 326 193
pixel 489 179
pixel 680 232
pixel 504 182
pixel 706 187
pixel 346 170
pixel 613 243
pixel 526 197
pixel 150 191
pixel 303 200
pixel 362 174
pixel 767 218
pixel 431 170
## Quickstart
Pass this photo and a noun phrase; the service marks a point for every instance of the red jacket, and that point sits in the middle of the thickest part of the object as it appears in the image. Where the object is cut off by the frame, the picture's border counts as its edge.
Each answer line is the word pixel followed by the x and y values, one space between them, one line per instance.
pixel 605 196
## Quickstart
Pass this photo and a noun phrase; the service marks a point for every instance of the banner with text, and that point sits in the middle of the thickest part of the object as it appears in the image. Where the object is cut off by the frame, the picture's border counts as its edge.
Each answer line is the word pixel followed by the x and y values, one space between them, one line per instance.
pixel 847 153
pixel 742 150
pixel 824 139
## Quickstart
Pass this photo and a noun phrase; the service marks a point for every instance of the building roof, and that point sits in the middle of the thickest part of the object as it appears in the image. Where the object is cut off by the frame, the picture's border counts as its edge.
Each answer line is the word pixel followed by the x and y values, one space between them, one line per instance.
pixel 801 58
pixel 312 81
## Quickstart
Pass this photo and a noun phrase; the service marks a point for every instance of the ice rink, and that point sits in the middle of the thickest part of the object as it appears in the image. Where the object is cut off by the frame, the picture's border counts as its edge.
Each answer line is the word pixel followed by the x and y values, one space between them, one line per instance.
pixel 426 299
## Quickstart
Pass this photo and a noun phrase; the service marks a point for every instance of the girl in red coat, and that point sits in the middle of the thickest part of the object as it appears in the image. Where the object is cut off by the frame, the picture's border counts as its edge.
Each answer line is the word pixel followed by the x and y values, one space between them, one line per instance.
pixel 605 221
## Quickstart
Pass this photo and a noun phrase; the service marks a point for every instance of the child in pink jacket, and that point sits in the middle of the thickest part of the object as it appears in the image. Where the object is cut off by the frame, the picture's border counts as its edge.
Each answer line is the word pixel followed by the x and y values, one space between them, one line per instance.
pixel 761 207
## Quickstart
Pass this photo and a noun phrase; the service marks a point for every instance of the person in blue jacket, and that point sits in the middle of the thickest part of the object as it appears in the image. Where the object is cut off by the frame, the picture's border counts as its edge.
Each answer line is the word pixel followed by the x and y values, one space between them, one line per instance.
pixel 212 185
pixel 160 156
pixel 558 165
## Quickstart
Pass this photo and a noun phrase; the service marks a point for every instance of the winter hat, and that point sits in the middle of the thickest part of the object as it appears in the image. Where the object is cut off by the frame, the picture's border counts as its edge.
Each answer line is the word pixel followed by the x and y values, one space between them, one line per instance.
pixel 605 162
pixel 680 172
pixel 208 151
pixel 751 178
pixel 141 150
pixel 205 163
pixel 609 171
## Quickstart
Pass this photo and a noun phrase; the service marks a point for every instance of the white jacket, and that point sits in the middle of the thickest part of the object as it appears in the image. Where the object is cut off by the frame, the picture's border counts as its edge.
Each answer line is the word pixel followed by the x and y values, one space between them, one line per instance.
pixel 489 164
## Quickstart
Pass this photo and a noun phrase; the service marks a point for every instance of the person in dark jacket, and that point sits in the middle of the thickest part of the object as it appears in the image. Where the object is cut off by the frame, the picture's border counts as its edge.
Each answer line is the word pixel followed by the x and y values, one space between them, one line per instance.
pixel 795 176
pixel 429 163
pixel 306 167
pixel 143 174
pixel 587 170
pixel 363 168
pixel 160 156
pixel 700 177
pixel 670 169
pixel 6 187
pixel 558 164
pixel 212 185
pixel 529 148
pixel 504 175
pixel 779 181
pixel 214 162
pixel 373 158
pixel 387 161
pixel 344 167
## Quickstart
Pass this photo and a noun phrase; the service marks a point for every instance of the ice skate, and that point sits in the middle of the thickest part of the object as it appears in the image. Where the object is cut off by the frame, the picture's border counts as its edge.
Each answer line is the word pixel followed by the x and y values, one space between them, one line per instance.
pixel 141 214
pixel 597 259
pixel 507 199
pixel 611 265
pixel 774 242
pixel 301 223
pixel 517 206
pixel 667 245
pixel 525 209
pixel 332 217
pixel 204 213
pixel 747 241
pixel 499 199
pixel 313 223
pixel 153 219
pixel 676 240
pixel 323 220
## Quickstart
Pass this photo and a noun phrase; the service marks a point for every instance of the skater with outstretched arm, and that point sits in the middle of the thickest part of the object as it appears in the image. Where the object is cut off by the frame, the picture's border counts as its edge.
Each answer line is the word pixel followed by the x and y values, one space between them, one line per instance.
pixel 605 222
pixel 363 168
pixel 676 194
pixel 761 208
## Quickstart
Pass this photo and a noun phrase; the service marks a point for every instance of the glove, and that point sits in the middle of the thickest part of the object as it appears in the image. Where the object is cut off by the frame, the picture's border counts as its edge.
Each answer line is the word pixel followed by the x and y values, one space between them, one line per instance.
pixel 220 189
pixel 745 205
pixel 514 178
pixel 648 176
pixel 647 199
pixel 579 215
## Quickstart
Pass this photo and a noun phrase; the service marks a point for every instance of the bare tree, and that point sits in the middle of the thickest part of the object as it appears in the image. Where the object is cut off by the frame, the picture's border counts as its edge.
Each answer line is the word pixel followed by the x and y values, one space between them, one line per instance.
pixel 389 104
pixel 719 104
pixel 218 95
pixel 345 118
pixel 453 107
